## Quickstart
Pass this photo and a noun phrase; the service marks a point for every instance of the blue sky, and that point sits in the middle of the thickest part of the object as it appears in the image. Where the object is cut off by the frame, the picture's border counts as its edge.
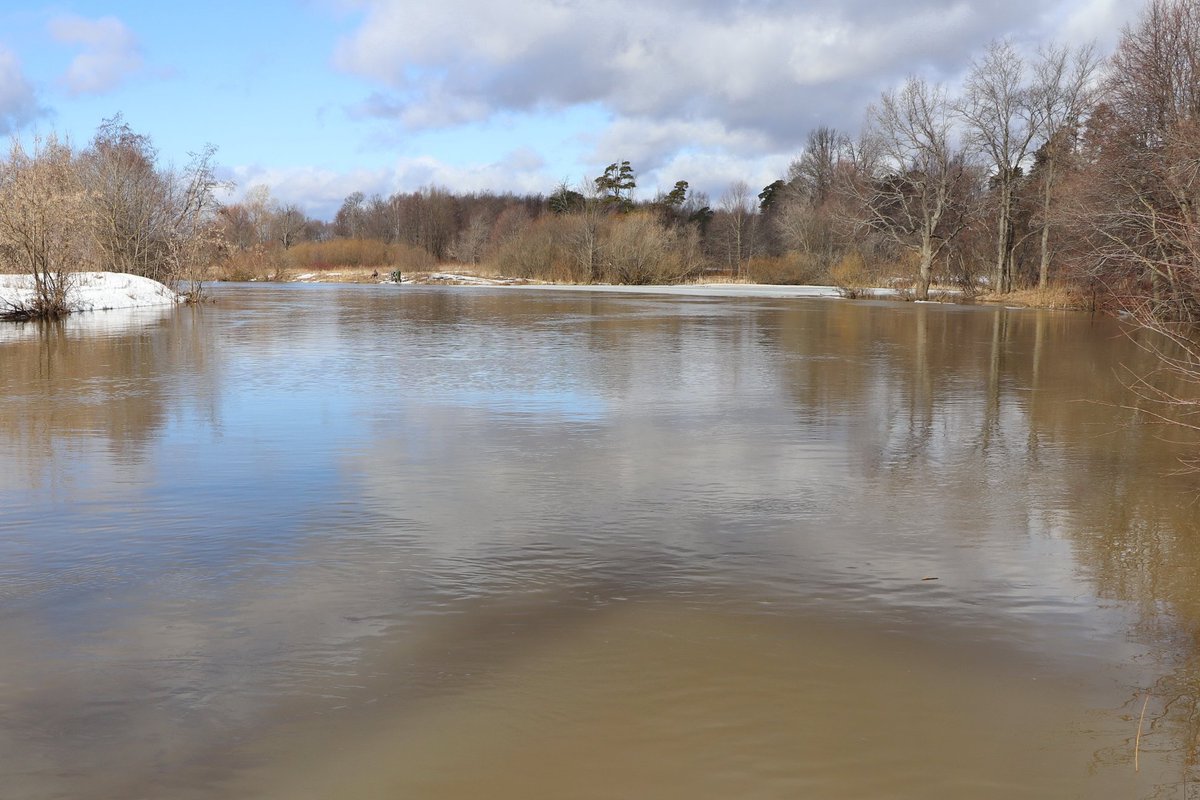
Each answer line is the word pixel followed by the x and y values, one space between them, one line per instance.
pixel 319 98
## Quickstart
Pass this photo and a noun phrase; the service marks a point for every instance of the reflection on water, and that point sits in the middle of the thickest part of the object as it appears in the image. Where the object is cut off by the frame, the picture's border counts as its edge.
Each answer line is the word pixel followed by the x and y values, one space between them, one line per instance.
pixel 380 541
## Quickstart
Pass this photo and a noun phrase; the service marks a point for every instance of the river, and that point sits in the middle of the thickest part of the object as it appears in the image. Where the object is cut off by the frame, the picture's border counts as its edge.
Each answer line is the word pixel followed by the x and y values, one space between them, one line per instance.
pixel 377 541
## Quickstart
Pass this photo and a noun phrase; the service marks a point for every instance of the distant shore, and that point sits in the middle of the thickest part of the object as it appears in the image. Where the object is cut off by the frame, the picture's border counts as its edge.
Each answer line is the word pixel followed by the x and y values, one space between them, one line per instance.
pixel 1031 298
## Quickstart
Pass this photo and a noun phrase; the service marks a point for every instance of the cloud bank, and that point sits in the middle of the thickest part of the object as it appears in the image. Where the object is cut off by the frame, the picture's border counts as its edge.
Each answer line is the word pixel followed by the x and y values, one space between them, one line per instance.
pixel 759 70
pixel 703 84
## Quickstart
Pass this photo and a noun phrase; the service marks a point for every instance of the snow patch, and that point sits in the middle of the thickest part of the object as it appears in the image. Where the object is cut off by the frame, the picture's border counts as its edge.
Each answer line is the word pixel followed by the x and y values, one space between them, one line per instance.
pixel 761 290
pixel 93 291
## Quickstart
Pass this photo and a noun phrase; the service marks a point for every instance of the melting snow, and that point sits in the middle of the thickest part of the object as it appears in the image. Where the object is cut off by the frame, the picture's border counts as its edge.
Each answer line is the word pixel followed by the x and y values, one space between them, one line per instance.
pixel 93 291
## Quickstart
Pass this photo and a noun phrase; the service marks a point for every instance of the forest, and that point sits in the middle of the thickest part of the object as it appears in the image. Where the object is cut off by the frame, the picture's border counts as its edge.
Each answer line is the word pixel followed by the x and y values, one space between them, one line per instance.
pixel 1061 170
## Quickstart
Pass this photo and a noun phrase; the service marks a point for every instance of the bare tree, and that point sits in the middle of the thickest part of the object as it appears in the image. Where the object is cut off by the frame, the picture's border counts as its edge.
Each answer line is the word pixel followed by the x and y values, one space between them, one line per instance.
pixel 155 222
pixel 469 245
pixel 1136 209
pixel 437 220
pixel 809 218
pixel 127 200
pixel 43 224
pixel 1155 72
pixel 814 174
pixel 584 234
pixel 1062 93
pixel 260 208
pixel 1002 119
pixel 914 196
pixel 350 217
pixel 639 250
pixel 192 232
pixel 288 225
pixel 734 226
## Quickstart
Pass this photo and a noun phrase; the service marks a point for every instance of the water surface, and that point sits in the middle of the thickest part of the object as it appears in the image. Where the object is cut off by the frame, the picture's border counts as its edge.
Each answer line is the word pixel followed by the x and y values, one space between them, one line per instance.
pixel 318 541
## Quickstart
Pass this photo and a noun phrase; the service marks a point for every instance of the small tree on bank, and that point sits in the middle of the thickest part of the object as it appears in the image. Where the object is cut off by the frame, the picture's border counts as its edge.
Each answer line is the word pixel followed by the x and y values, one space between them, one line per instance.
pixel 43 224
pixel 191 235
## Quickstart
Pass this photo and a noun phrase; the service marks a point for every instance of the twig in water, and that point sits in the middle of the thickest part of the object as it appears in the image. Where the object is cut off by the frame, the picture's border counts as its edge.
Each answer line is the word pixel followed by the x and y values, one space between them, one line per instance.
pixel 1137 742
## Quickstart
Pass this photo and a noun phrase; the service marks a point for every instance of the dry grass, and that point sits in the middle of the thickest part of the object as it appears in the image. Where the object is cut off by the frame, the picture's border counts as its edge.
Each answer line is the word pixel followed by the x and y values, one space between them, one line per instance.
pixel 342 275
pixel 791 269
pixel 350 259
pixel 448 275
pixel 338 254
pixel 1058 297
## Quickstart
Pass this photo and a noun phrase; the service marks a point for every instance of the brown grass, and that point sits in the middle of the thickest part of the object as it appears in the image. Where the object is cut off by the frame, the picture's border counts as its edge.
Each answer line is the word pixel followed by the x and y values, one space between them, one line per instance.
pixel 273 263
pixel 794 269
pixel 361 253
pixel 1058 297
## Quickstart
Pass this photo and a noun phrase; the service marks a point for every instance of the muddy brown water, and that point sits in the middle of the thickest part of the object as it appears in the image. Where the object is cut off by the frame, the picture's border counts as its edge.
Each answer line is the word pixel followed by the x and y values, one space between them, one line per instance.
pixel 398 542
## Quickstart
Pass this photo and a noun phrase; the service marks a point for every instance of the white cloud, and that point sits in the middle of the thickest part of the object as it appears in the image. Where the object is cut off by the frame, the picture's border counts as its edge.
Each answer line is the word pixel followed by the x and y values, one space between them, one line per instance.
pixel 648 142
pixel 321 192
pixel 318 191
pixel 1101 20
pixel 18 99
pixel 714 174
pixel 701 84
pixel 110 53
pixel 763 67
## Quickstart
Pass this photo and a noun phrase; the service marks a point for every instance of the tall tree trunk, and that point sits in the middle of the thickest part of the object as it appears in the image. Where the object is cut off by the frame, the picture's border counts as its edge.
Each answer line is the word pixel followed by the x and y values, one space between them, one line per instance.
pixel 1004 237
pixel 1044 266
pixel 926 271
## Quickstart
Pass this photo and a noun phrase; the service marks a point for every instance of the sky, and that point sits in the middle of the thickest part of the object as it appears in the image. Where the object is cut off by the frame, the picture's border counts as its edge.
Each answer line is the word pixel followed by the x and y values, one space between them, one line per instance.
pixel 317 99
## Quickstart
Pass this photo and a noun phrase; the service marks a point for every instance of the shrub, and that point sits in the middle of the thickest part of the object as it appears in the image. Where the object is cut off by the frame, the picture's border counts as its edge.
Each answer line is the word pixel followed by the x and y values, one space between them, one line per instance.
pixel 43 213
pixel 638 249
pixel 534 252
pixel 850 274
pixel 257 263
pixel 790 269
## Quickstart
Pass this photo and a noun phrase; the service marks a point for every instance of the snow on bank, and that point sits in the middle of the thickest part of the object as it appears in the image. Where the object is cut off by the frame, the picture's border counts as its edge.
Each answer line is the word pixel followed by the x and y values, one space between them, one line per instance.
pixel 717 290
pixel 455 279
pixel 93 291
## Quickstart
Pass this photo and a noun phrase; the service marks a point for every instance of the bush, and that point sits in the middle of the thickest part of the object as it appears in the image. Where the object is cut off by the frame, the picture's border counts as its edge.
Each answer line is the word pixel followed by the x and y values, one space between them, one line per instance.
pixel 357 253
pixel 257 263
pixel 850 274
pixel 535 252
pixel 48 297
pixel 638 249
pixel 797 269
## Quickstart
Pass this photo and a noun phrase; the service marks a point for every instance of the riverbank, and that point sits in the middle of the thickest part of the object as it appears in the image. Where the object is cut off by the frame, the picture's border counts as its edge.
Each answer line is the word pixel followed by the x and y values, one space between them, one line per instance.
pixel 1058 298
pixel 97 291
